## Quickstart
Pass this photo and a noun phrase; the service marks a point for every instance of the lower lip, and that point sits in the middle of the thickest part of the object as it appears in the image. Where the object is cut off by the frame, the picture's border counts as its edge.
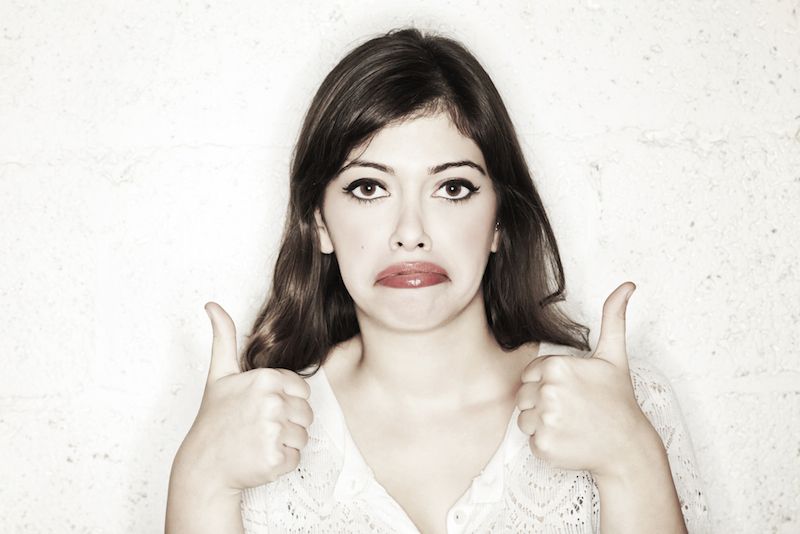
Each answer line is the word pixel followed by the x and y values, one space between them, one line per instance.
pixel 413 281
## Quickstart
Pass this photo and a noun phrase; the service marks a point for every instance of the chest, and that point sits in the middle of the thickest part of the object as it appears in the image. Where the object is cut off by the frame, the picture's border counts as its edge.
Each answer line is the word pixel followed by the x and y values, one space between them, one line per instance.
pixel 426 465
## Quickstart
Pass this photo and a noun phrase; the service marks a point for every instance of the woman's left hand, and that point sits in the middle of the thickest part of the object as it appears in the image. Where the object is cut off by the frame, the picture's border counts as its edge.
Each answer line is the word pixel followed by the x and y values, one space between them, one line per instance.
pixel 581 413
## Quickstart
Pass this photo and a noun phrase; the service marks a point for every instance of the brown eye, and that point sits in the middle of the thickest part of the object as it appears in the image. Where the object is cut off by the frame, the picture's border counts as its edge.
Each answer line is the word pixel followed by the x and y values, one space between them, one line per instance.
pixel 365 190
pixel 453 189
pixel 457 190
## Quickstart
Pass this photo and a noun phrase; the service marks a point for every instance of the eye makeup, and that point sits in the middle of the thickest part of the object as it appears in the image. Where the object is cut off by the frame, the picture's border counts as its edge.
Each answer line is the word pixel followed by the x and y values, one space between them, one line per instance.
pixel 365 183
pixel 370 186
pixel 462 184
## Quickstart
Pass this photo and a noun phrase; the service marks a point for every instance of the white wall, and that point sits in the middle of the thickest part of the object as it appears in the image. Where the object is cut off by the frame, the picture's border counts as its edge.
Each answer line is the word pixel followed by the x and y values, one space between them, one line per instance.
pixel 143 171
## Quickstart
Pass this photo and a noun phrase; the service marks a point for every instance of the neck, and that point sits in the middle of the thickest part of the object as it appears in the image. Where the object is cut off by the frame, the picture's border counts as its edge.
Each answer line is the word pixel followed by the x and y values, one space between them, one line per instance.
pixel 449 367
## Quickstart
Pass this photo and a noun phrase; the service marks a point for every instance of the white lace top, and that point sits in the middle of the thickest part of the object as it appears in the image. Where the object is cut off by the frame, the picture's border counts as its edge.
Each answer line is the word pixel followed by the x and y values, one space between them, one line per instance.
pixel 333 490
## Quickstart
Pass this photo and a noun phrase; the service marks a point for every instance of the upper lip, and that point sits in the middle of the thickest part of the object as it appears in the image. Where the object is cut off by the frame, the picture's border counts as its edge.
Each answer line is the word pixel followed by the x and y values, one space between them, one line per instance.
pixel 410 267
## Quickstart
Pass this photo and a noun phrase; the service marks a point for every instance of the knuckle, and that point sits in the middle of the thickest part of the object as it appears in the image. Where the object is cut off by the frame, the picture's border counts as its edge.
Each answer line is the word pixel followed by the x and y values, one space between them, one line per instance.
pixel 550 418
pixel 272 429
pixel 529 374
pixel 265 378
pixel 290 377
pixel 302 415
pixel 520 396
pixel 542 445
pixel 292 458
pixel 549 392
pixel 275 458
pixel 310 413
pixel 525 422
pixel 303 437
pixel 525 398
pixel 274 405
pixel 275 399
pixel 555 366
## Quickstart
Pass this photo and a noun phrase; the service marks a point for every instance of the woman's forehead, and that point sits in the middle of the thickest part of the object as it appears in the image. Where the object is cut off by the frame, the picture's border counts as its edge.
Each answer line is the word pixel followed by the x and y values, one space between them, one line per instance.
pixel 420 141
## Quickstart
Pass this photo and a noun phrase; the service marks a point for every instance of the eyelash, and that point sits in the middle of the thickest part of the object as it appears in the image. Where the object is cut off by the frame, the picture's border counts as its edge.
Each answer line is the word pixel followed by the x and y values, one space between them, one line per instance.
pixel 473 189
pixel 355 184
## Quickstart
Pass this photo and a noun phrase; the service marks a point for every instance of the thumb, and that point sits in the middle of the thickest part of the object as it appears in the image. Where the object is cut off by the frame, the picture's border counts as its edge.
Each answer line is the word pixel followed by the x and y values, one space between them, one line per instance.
pixel 223 348
pixel 611 345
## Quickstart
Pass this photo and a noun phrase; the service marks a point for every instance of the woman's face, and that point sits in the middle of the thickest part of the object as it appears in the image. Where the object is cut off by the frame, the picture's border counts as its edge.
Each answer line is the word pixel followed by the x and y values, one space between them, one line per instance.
pixel 415 204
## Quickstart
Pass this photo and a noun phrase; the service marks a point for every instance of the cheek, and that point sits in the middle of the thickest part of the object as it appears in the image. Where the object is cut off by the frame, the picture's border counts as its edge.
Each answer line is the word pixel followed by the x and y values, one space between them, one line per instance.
pixel 356 237
pixel 355 232
pixel 465 233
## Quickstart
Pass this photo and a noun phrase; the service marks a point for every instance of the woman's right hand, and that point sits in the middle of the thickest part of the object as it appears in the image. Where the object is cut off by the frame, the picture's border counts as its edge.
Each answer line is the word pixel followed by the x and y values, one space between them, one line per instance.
pixel 250 426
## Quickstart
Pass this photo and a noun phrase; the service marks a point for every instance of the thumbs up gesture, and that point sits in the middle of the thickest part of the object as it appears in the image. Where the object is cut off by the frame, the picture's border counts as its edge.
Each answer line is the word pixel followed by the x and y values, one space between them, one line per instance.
pixel 250 426
pixel 581 413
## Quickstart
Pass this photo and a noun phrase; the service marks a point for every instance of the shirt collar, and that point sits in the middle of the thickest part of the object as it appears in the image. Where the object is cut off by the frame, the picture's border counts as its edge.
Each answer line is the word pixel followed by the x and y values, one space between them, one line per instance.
pixel 328 418
pixel 487 487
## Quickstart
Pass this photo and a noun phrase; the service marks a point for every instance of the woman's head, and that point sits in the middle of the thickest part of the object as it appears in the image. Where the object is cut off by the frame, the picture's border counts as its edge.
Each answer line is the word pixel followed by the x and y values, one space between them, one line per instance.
pixel 380 86
pixel 415 199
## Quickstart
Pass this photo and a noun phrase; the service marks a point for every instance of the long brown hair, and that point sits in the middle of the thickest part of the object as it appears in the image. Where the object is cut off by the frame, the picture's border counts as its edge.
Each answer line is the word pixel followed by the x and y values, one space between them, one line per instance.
pixel 392 77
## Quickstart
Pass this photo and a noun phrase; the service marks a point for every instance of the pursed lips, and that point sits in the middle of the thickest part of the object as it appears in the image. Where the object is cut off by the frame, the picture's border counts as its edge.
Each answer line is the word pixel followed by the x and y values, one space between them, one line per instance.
pixel 410 268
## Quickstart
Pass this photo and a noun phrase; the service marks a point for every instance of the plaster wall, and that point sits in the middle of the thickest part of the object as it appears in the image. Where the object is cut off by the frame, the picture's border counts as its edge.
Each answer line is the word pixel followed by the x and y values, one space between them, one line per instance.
pixel 144 153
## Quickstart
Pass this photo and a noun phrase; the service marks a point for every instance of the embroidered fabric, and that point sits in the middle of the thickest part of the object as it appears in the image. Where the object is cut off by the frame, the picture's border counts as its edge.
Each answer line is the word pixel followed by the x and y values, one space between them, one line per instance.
pixel 333 490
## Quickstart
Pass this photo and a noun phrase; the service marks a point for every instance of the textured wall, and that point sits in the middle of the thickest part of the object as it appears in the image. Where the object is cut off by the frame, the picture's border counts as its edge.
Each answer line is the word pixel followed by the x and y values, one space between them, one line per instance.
pixel 143 164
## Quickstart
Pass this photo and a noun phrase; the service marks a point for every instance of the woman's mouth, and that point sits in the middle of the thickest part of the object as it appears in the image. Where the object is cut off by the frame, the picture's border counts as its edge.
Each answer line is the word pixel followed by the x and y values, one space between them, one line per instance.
pixel 410 275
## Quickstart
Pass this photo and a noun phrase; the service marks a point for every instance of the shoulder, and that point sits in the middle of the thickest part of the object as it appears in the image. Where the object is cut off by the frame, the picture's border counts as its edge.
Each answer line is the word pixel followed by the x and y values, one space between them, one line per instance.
pixel 342 358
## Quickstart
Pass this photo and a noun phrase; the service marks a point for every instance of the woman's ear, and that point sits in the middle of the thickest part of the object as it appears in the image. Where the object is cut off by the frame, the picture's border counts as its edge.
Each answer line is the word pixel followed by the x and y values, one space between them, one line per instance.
pixel 325 244
pixel 496 238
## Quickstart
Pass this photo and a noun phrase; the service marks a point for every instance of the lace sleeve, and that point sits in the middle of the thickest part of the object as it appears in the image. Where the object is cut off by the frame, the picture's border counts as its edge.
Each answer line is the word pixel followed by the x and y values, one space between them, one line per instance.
pixel 254 515
pixel 658 402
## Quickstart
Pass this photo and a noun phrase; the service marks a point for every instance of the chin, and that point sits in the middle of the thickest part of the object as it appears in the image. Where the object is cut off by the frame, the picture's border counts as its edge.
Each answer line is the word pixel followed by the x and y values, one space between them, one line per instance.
pixel 412 314
pixel 411 326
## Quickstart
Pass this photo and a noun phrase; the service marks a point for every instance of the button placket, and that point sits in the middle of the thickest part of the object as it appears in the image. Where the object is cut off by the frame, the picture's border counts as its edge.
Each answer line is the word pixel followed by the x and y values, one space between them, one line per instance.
pixel 457 519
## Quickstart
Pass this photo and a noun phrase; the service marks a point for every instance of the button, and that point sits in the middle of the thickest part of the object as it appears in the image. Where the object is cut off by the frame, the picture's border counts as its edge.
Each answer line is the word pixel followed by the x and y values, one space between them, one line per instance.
pixel 460 516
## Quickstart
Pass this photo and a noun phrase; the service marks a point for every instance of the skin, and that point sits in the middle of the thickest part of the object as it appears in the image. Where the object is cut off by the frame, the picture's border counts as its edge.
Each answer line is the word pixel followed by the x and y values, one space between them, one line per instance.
pixel 249 431
pixel 430 350
pixel 409 212
pixel 426 361
pixel 430 346
pixel 581 414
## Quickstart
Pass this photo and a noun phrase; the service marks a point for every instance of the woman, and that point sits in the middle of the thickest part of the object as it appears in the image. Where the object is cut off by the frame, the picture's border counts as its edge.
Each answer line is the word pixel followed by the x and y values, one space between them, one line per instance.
pixel 413 319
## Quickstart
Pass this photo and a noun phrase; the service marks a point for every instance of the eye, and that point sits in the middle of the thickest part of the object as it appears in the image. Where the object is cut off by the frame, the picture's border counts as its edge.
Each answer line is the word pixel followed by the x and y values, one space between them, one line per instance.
pixel 457 190
pixel 365 190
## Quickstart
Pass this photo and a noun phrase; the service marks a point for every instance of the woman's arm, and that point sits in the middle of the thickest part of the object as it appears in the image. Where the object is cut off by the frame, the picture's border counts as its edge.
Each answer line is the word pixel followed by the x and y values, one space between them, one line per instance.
pixel 598 414
pixel 198 506
pixel 248 432
pixel 665 469
pixel 641 496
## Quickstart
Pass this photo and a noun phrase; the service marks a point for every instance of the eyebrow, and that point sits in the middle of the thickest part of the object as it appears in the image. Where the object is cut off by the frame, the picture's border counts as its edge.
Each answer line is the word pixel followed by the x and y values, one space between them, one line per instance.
pixel 436 169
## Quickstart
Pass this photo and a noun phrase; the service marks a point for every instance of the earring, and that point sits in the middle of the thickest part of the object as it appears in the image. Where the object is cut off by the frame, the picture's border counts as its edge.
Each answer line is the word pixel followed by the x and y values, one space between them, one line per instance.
pixel 497 225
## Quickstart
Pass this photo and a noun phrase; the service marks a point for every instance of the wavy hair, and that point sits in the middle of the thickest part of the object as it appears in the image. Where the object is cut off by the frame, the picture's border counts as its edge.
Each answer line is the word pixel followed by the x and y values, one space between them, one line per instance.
pixel 398 75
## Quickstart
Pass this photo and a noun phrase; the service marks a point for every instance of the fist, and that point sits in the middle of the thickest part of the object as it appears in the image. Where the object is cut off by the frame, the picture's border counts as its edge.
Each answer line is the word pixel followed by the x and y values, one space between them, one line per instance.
pixel 581 413
pixel 251 426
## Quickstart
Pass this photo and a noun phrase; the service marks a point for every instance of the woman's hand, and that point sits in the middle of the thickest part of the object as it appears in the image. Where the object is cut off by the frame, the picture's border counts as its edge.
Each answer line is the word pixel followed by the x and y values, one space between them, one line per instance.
pixel 581 413
pixel 250 426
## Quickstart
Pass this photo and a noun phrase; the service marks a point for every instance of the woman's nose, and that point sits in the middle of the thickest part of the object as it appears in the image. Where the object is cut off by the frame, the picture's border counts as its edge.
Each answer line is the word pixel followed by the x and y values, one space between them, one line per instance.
pixel 410 232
